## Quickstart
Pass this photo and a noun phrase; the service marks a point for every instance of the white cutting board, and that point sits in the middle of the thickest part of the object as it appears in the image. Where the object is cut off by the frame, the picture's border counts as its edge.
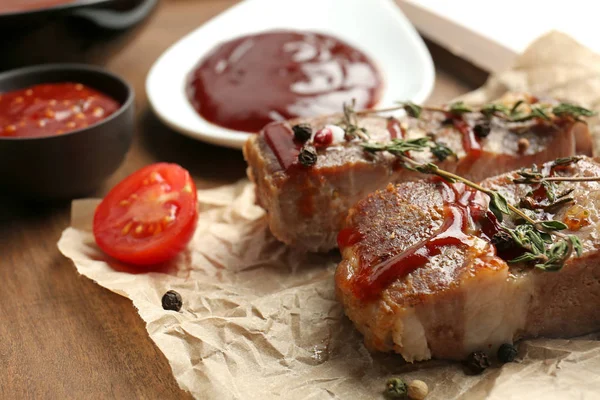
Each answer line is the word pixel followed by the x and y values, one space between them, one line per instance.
pixel 491 33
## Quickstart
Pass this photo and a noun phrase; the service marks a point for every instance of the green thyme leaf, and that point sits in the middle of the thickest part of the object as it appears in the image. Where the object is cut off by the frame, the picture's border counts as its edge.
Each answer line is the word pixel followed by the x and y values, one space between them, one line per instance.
pixel 411 109
pixel 572 110
pixel 552 207
pixel 498 205
pixel 441 151
pixel 515 108
pixel 430 168
pixel 490 109
pixel 349 122
pixel 459 108
pixel 398 146
pixel 565 161
pixel 553 225
pixel 550 188
pixel 540 113
pixel 527 258
pixel 558 253
pixel 566 193
pixel 577 245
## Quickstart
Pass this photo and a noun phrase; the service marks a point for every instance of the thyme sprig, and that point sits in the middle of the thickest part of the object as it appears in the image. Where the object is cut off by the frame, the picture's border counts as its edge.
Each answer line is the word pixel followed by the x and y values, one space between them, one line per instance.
pixel 399 147
pixel 349 123
pixel 542 242
pixel 517 113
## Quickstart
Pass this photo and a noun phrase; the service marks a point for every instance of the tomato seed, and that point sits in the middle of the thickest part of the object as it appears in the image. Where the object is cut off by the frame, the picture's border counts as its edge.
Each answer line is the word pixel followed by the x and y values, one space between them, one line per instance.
pixel 126 229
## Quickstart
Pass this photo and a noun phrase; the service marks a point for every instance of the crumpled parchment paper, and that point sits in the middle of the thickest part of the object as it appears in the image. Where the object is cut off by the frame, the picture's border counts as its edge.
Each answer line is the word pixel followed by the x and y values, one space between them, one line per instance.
pixel 260 321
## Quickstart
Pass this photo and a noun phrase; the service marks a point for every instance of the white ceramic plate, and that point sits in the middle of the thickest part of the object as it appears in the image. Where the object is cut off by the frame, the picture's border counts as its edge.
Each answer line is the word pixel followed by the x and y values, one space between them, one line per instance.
pixel 376 27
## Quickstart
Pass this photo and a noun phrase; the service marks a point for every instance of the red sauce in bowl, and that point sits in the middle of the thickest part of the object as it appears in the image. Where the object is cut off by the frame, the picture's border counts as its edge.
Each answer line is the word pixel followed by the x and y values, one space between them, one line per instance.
pixel 248 82
pixel 29 5
pixel 52 109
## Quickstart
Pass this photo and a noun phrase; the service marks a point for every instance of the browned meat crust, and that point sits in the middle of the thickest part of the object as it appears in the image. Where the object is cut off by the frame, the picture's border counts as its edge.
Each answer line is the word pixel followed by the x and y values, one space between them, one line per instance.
pixel 466 298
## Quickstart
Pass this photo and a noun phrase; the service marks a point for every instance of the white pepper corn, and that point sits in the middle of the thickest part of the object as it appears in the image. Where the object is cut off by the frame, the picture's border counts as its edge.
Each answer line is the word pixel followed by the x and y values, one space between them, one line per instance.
pixel 417 390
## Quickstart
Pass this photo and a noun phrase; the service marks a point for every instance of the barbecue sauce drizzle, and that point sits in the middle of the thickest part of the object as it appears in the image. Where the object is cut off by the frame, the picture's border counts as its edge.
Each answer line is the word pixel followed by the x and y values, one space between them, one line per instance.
pixel 395 129
pixel 470 142
pixel 280 138
pixel 463 220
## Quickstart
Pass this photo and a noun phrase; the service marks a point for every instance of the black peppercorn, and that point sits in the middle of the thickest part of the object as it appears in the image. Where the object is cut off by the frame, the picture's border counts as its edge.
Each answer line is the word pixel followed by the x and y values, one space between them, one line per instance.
pixel 482 129
pixel 302 132
pixel 307 156
pixel 507 353
pixel 172 301
pixel 477 362
pixel 395 388
pixel 503 241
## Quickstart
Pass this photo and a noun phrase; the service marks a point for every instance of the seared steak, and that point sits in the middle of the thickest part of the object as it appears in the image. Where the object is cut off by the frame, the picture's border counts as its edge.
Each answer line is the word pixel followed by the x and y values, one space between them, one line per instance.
pixel 421 277
pixel 306 206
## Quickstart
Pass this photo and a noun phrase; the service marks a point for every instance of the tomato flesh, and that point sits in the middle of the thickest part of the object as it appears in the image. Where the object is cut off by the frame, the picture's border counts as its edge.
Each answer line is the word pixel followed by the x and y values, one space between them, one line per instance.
pixel 149 217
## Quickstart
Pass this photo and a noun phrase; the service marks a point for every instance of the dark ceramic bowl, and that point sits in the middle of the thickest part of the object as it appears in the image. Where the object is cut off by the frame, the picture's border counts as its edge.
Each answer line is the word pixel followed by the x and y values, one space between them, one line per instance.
pixel 75 163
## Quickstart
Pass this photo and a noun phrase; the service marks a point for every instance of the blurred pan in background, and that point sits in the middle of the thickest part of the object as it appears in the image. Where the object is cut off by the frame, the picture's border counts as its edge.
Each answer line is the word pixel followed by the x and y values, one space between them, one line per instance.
pixel 48 31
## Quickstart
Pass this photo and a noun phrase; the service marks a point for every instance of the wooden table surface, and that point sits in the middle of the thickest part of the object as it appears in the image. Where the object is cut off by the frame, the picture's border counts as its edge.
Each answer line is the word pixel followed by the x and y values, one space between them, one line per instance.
pixel 61 335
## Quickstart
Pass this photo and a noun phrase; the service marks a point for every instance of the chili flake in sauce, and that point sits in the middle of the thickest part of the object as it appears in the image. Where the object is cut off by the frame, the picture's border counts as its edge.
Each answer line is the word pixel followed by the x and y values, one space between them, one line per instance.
pixel 52 109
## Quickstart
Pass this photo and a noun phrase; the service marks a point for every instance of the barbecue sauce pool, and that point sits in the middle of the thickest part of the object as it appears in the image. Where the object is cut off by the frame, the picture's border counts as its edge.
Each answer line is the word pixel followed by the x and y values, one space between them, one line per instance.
pixel 461 214
pixel 250 81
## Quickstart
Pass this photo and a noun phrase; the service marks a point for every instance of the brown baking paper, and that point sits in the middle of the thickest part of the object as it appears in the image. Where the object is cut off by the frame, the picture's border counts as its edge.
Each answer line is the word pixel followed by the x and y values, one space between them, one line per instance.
pixel 260 321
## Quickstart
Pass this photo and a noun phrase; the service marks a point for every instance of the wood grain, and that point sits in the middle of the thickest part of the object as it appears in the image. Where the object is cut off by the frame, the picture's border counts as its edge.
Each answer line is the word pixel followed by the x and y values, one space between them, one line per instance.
pixel 61 335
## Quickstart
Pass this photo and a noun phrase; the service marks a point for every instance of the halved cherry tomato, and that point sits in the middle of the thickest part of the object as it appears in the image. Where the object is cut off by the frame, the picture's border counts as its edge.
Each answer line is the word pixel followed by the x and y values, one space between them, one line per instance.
pixel 149 217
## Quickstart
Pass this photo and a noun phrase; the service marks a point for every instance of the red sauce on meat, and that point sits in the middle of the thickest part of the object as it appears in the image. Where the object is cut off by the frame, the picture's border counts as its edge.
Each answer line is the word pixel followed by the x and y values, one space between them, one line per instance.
pixel 470 143
pixel 463 218
pixel 280 138
pixel 52 109
pixel 250 81
pixel 27 5
pixel 348 237
pixel 395 129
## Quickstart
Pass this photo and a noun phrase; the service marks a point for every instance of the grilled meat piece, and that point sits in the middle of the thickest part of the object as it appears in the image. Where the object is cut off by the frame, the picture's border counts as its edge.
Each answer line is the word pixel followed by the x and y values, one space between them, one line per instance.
pixel 307 205
pixel 421 277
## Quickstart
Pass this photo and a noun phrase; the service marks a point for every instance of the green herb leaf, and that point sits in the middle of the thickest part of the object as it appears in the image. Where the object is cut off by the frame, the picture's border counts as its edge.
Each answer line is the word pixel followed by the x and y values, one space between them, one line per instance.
pixel 459 108
pixel 398 146
pixel 572 110
pixel 539 112
pixel 498 205
pixel 411 109
pixel 430 168
pixel 565 161
pixel 553 225
pixel 441 151
pixel 349 123
pixel 515 108
pixel 489 110
pixel 527 258
pixel 577 245
pixel 550 188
